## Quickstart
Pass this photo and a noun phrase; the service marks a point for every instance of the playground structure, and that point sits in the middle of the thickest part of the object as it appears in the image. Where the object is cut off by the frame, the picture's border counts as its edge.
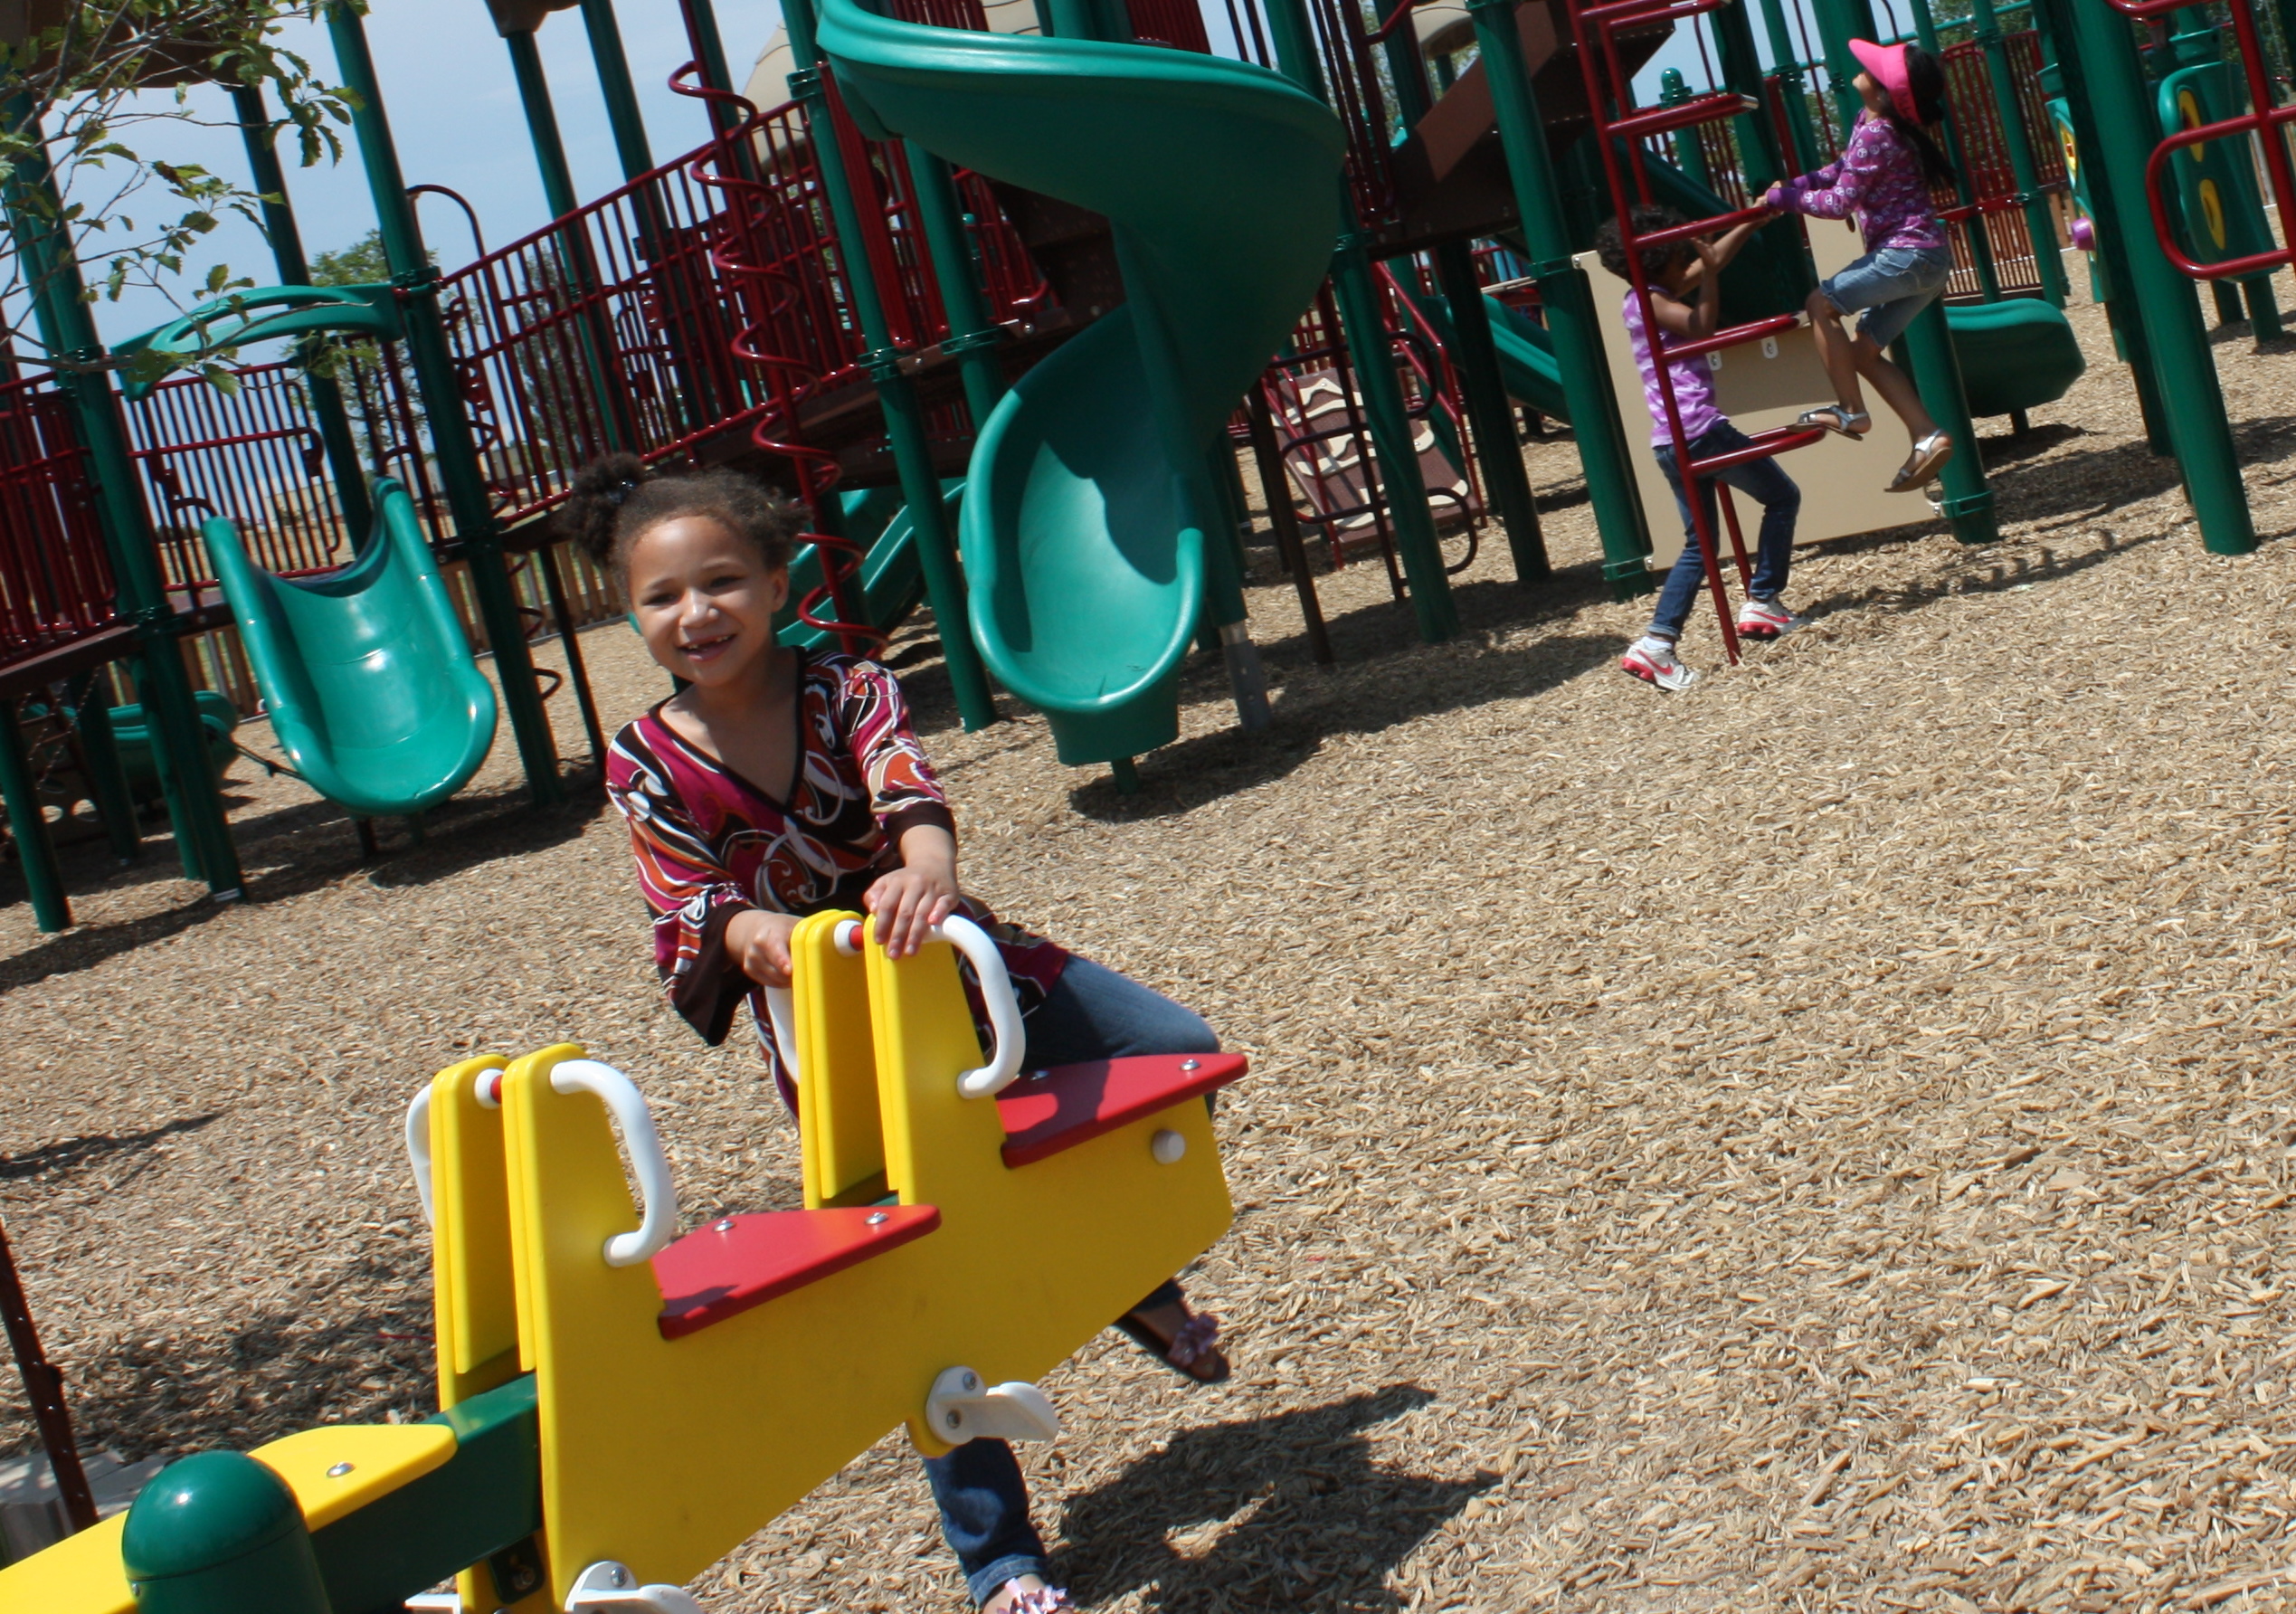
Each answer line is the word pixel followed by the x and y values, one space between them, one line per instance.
pixel 618 1406
pixel 880 296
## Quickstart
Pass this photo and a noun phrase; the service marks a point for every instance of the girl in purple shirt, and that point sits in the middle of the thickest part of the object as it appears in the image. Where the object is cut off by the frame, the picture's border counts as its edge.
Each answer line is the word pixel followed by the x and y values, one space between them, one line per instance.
pixel 1882 179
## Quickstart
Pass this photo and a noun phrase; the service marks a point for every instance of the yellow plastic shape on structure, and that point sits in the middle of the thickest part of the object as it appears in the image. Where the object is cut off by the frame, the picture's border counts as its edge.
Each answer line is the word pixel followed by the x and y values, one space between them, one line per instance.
pixel 665 1455
pixel 473 1289
pixel 836 1114
pixel 82 1574
pixel 1034 1260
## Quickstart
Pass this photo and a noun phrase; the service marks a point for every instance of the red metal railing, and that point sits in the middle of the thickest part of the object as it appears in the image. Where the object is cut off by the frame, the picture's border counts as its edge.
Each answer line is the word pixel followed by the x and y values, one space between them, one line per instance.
pixel 56 581
pixel 255 455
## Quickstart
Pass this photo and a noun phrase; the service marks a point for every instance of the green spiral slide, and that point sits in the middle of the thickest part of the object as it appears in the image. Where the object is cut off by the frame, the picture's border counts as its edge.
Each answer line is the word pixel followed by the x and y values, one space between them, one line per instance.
pixel 1089 500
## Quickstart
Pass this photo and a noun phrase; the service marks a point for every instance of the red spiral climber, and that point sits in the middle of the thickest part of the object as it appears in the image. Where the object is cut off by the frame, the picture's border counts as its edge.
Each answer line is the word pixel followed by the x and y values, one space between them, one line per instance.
pixel 734 254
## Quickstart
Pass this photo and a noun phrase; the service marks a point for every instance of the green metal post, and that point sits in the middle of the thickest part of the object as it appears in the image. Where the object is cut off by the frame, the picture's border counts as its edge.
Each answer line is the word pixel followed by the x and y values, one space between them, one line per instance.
pixel 574 257
pixel 286 255
pixel 2099 58
pixel 417 281
pixel 1490 416
pixel 107 779
pixel 1374 361
pixel 973 338
pixel 1790 82
pixel 1765 160
pixel 2039 222
pixel 709 48
pixel 1690 156
pixel 615 84
pixel 1569 299
pixel 896 394
pixel 542 123
pixel 1968 506
pixel 1972 227
pixel 220 1534
pixel 28 826
pixel 2110 278
pixel 203 833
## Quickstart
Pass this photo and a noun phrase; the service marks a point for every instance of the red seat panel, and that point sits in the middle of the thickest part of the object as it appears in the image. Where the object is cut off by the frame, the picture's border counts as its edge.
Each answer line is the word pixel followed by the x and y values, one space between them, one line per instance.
pixel 1047 1111
pixel 740 1262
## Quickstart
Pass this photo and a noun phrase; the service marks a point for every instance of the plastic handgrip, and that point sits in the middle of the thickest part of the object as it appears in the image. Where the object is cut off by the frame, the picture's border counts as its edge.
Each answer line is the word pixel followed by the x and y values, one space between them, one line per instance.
pixel 780 1008
pixel 657 1195
pixel 418 1146
pixel 1004 1013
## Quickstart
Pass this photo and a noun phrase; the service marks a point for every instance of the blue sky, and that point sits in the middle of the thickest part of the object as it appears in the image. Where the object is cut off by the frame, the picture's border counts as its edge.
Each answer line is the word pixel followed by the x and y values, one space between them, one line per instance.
pixel 454 110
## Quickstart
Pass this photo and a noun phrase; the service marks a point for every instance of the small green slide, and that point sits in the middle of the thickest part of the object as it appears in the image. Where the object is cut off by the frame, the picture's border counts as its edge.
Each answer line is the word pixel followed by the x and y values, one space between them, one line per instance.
pixel 1089 496
pixel 372 688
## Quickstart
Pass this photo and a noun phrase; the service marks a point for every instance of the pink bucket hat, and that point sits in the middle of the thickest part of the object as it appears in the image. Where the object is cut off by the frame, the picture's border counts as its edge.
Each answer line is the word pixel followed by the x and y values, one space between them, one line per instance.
pixel 1887 64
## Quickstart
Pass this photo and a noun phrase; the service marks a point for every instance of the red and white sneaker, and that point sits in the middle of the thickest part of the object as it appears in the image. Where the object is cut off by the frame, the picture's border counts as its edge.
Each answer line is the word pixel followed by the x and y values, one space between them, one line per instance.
pixel 1767 619
pixel 1653 661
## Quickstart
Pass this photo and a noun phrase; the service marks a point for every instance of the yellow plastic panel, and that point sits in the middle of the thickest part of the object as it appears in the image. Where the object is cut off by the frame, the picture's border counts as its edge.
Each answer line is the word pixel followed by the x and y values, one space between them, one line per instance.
pixel 1030 1262
pixel 665 1454
pixel 844 1140
pixel 80 1574
pixel 473 1289
pixel 383 1456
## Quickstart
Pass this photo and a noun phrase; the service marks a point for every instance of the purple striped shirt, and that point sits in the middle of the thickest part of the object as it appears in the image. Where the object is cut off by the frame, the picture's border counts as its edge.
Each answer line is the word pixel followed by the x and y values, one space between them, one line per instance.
pixel 1693 383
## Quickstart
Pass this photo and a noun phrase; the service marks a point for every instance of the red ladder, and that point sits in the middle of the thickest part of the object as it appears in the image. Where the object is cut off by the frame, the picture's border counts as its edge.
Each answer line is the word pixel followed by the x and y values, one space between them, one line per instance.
pixel 1617 122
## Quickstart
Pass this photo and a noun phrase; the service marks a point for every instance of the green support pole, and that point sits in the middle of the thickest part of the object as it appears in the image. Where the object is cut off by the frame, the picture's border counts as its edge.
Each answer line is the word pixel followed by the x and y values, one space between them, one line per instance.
pixel 574 257
pixel 1690 156
pixel 1973 227
pixel 1374 361
pixel 973 338
pixel 709 52
pixel 417 281
pixel 2112 276
pixel 28 827
pixel 615 84
pixel 1490 416
pixel 1968 505
pixel 2039 224
pixel 896 394
pixel 1569 304
pixel 542 123
pixel 107 779
pixel 2099 59
pixel 203 831
pixel 1790 81
pixel 1765 161
pixel 286 255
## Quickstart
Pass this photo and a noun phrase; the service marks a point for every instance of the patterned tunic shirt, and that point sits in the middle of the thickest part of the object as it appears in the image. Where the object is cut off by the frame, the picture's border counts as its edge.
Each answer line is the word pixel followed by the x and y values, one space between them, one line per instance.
pixel 1878 180
pixel 711 844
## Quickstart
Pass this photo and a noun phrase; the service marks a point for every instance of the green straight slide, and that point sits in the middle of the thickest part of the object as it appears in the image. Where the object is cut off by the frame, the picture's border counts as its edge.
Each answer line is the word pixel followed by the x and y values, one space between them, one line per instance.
pixel 1090 498
pixel 372 688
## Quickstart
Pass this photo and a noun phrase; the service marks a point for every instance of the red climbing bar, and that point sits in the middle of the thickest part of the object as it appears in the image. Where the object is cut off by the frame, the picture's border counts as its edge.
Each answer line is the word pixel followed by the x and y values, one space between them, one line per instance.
pixel 1736 336
pixel 1762 445
pixel 1700 109
pixel 1720 222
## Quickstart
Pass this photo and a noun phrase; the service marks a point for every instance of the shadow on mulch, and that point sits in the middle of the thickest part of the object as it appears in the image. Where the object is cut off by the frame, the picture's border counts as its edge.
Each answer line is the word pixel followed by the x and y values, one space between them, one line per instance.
pixel 1185 775
pixel 193 1391
pixel 1305 1518
pixel 69 1155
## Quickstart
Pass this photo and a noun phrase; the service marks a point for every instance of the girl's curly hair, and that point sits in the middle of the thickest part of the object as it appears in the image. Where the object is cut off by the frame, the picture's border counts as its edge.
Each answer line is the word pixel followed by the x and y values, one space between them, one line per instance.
pixel 617 499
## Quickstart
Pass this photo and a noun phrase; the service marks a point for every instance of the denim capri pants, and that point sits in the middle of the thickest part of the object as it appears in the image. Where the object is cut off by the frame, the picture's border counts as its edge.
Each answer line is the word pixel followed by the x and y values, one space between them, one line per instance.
pixel 1892 286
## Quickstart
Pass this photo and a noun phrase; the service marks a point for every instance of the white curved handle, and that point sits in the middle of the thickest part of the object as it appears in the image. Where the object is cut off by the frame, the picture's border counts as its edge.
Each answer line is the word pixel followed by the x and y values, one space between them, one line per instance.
pixel 781 1009
pixel 657 1197
pixel 418 1146
pixel 1004 1012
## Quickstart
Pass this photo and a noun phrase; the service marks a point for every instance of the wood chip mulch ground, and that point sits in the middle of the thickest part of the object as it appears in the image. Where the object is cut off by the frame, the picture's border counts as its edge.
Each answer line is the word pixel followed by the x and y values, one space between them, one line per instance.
pixel 1820 1141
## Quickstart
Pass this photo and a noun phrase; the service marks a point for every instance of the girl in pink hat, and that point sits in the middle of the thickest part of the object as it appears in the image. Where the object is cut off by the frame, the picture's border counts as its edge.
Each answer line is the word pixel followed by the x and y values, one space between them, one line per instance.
pixel 1882 179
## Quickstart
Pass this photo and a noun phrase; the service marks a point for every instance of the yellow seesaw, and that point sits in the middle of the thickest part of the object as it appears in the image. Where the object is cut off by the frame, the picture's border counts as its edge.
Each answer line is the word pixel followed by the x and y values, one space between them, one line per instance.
pixel 968 1226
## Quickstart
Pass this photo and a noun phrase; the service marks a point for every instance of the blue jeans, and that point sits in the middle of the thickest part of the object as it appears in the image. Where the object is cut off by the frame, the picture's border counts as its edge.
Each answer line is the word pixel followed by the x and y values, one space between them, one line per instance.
pixel 1091 1014
pixel 1892 286
pixel 1770 487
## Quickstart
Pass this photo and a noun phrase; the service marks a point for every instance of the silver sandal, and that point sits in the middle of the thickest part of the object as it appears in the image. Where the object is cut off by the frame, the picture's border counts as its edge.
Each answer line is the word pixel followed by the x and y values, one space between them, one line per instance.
pixel 1928 457
pixel 1849 423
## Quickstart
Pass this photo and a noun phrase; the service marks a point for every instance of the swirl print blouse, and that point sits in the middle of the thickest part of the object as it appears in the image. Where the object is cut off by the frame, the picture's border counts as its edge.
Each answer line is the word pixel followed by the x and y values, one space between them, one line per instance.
pixel 710 844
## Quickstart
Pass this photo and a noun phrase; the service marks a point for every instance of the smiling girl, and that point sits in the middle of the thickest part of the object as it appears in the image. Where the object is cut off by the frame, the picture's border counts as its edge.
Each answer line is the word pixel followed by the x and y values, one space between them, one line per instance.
pixel 779 783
